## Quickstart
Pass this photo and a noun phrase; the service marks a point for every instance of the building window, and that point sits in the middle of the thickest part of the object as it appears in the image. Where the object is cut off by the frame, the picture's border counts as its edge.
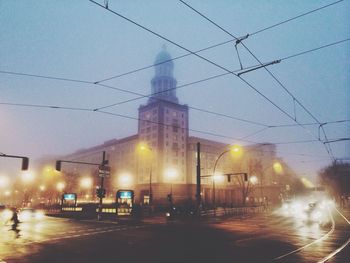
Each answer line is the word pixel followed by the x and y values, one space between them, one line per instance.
pixel 175 146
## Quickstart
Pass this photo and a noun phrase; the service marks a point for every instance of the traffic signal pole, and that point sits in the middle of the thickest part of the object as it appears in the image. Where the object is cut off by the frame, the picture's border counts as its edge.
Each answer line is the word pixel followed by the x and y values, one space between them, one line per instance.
pixel 104 170
pixel 198 185
pixel 25 160
pixel 99 215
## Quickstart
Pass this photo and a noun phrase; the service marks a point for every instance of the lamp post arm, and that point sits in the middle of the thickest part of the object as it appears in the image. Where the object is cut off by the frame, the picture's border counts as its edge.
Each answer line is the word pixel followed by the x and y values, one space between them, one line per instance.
pixel 217 160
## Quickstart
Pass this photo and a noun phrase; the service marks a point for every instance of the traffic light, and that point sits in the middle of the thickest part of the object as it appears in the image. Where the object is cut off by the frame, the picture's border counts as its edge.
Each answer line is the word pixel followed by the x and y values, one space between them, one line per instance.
pixel 25 163
pixel 58 166
pixel 101 192
pixel 170 198
pixel 245 177
pixel 228 178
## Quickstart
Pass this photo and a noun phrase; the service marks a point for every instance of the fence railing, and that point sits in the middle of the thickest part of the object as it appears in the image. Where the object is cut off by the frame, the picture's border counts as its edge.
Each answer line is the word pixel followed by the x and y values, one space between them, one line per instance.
pixel 231 211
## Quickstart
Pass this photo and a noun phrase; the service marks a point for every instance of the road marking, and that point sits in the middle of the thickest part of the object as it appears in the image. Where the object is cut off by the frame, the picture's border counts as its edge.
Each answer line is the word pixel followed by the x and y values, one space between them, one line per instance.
pixel 310 244
pixel 340 248
pixel 84 234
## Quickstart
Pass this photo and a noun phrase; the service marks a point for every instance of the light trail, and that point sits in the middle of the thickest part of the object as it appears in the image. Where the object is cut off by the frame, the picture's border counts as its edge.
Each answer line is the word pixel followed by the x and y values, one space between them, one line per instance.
pixel 312 243
pixel 340 248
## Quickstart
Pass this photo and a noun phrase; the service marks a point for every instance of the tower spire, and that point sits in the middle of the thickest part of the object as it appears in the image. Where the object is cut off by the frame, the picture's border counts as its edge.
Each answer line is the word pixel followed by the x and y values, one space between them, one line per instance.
pixel 163 84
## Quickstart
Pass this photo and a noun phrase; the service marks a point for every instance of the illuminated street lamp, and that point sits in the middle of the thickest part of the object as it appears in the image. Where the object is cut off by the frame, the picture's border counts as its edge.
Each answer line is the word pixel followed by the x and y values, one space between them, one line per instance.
pixel 277 167
pixel 60 186
pixel 235 151
pixel 125 180
pixel 144 148
pixel 253 179
pixel 28 177
pixel 86 182
pixel 171 174
pixel 4 181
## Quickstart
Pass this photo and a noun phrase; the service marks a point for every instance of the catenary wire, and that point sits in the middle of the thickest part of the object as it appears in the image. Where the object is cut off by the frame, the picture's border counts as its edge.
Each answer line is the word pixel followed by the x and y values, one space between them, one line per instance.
pixel 140 119
pixel 222 43
pixel 140 96
pixel 134 118
pixel 328 149
pixel 201 57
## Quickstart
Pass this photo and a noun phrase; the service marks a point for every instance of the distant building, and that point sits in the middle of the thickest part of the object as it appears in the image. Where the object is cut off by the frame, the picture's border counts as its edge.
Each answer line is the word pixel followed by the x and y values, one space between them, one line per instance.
pixel 167 164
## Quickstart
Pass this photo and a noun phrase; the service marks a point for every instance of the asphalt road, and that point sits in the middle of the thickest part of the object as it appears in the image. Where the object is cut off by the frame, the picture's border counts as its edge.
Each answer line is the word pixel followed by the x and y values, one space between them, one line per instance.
pixel 261 238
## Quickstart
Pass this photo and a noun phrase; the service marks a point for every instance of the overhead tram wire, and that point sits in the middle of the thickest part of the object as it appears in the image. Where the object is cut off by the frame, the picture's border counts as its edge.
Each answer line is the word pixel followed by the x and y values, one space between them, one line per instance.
pixel 315 49
pixel 118 115
pixel 45 106
pixel 295 17
pixel 55 107
pixel 203 58
pixel 221 43
pixel 328 149
pixel 140 96
pixel 186 49
pixel 134 118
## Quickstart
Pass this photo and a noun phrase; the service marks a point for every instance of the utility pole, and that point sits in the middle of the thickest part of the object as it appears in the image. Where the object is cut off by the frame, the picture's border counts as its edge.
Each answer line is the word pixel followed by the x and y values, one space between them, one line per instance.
pixel 104 162
pixel 198 185
pixel 150 189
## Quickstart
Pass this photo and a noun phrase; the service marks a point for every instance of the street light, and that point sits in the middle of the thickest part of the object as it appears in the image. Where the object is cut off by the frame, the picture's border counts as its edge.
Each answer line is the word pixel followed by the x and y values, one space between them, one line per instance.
pixel 125 180
pixel 253 179
pixel 27 177
pixel 60 186
pixel 171 174
pixel 235 150
pixel 86 182
pixel 143 147
pixel 4 181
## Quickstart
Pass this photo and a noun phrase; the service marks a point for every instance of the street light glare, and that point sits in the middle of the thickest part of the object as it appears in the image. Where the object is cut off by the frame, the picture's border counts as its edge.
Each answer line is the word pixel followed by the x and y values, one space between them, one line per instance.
pixel 171 173
pixel 277 167
pixel 253 179
pixel 125 180
pixel 218 177
pixel 86 182
pixel 27 177
pixel 143 147
pixel 236 150
pixel 60 186
pixel 4 181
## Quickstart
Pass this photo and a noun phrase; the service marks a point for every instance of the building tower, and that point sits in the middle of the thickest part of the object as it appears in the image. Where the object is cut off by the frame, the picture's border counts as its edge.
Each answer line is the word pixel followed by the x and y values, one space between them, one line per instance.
pixel 163 126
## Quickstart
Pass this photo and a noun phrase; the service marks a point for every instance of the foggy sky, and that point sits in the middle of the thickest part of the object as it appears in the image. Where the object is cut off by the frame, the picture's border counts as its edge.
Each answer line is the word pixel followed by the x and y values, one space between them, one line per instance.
pixel 79 40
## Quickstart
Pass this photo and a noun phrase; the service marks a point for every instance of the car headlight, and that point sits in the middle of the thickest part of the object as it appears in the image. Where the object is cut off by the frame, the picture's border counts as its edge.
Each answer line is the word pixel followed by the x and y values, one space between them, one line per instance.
pixel 39 215
pixel 316 216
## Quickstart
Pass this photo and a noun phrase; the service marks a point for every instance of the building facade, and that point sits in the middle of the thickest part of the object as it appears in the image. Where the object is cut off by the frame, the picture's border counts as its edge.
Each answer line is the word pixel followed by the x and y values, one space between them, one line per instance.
pixel 161 158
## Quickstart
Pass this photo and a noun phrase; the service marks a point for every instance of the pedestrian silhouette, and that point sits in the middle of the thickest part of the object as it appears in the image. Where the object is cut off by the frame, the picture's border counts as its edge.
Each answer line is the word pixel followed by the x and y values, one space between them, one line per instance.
pixel 15 222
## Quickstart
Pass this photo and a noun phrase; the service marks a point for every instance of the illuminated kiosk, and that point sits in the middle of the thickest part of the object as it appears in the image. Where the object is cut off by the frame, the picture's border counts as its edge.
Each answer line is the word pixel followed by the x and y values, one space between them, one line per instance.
pixel 124 201
pixel 69 202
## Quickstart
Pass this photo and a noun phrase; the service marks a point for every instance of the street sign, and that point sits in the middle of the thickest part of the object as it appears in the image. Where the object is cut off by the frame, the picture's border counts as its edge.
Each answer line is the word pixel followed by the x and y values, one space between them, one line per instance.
pixel 104 170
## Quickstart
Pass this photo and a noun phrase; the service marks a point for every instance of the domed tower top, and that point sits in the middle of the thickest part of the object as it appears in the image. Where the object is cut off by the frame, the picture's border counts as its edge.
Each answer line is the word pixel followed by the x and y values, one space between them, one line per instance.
pixel 163 83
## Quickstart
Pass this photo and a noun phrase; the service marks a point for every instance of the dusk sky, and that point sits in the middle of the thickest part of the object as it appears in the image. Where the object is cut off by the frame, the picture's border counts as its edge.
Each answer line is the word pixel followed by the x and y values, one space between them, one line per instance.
pixel 81 41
